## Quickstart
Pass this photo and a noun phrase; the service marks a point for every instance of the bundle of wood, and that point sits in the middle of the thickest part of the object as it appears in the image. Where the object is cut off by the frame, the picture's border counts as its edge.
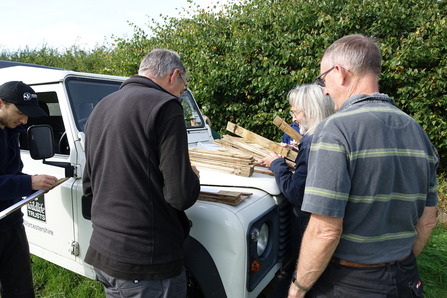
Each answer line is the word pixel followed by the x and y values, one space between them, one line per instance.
pixel 241 145
pixel 225 197
pixel 224 161
pixel 241 153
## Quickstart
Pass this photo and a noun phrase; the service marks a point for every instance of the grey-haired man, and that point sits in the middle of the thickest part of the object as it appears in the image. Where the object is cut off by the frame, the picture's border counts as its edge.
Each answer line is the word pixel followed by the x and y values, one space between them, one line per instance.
pixel 139 174
pixel 371 186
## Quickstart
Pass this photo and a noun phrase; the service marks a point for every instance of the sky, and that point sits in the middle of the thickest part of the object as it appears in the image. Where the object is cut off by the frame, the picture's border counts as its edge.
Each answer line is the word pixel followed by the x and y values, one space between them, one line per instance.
pixel 85 23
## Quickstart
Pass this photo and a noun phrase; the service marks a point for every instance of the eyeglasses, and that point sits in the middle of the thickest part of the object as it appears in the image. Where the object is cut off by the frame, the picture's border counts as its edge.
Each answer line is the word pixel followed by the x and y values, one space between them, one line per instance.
pixel 320 81
pixel 184 82
pixel 292 113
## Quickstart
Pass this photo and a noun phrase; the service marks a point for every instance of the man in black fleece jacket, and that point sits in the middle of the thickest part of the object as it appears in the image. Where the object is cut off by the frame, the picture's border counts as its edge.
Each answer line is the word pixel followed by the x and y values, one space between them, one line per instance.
pixel 141 180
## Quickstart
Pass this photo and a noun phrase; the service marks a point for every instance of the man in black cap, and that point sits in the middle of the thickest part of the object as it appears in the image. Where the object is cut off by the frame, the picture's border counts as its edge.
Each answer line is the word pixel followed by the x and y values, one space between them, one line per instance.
pixel 18 101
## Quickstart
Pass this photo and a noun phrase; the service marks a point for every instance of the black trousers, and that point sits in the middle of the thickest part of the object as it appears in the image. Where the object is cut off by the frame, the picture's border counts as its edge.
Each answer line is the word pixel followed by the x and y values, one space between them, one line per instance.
pixel 15 265
pixel 399 280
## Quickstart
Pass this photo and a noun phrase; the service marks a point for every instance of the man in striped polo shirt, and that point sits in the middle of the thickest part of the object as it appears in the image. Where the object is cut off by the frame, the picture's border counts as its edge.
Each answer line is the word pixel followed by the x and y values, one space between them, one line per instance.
pixel 371 186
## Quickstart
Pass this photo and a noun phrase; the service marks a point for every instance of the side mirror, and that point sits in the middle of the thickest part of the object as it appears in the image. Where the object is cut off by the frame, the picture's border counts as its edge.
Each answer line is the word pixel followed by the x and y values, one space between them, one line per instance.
pixel 41 146
pixel 40 141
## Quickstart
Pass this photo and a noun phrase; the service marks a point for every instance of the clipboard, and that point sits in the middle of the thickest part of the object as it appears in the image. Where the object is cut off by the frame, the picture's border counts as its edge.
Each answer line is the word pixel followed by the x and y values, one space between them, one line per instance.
pixel 28 199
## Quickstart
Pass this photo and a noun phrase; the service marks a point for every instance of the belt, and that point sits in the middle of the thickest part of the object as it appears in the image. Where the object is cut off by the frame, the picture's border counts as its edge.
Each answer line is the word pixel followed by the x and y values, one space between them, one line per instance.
pixel 353 264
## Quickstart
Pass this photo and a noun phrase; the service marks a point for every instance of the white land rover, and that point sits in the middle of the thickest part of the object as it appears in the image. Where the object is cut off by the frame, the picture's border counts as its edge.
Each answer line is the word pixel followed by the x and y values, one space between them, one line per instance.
pixel 232 251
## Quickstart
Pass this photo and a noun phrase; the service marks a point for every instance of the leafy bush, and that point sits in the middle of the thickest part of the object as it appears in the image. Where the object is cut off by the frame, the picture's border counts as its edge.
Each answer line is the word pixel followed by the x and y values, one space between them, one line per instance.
pixel 244 59
pixel 72 58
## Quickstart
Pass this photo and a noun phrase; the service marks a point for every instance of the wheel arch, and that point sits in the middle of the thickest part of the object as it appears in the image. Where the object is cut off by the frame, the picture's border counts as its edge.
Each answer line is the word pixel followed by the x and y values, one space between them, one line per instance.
pixel 201 266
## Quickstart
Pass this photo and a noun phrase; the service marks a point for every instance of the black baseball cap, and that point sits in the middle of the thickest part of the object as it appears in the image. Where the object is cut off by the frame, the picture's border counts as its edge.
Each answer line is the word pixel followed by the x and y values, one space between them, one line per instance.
pixel 23 96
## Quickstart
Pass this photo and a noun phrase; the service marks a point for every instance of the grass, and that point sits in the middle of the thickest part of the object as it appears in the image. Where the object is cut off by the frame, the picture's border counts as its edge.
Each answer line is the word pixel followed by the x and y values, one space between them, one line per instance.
pixel 433 263
pixel 52 281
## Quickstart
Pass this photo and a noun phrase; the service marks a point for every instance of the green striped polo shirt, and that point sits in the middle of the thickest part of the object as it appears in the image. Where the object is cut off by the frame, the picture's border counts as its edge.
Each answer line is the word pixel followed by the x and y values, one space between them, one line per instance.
pixel 374 166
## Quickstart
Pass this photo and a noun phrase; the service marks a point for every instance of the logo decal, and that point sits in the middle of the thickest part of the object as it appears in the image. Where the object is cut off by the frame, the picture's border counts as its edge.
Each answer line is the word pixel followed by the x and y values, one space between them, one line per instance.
pixel 36 209
pixel 28 96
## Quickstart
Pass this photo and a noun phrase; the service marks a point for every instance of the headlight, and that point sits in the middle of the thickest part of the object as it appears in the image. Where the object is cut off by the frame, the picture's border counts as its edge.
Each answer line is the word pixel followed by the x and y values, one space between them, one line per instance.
pixel 263 239
pixel 263 245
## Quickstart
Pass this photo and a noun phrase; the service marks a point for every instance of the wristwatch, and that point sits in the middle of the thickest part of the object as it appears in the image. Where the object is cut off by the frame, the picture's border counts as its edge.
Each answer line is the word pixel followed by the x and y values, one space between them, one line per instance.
pixel 295 282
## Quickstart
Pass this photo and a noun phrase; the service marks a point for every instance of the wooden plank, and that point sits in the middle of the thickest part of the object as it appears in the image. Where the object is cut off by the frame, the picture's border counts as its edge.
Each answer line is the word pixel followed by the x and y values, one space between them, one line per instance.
pixel 232 146
pixel 243 145
pixel 251 146
pixel 267 172
pixel 220 162
pixel 285 127
pixel 264 142
pixel 245 171
pixel 220 155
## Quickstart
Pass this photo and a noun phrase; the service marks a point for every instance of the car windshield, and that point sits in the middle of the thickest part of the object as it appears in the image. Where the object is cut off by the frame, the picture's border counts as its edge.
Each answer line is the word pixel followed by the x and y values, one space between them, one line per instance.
pixel 193 117
pixel 85 93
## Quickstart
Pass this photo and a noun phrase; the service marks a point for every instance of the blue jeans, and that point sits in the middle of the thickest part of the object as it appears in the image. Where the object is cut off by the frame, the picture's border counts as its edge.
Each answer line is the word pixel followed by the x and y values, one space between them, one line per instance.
pixel 174 287
pixel 399 280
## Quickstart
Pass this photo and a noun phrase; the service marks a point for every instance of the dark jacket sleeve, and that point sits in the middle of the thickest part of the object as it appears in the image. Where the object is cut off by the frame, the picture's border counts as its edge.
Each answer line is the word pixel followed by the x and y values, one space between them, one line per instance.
pixel 13 183
pixel 14 186
pixel 181 186
pixel 291 183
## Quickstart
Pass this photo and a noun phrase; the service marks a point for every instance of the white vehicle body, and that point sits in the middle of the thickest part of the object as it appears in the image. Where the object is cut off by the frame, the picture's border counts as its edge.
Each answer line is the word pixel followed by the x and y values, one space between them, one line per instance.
pixel 220 248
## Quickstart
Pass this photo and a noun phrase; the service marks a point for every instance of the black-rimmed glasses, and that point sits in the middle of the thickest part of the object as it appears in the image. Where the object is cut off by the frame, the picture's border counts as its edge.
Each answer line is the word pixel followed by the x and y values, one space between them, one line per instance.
pixel 320 81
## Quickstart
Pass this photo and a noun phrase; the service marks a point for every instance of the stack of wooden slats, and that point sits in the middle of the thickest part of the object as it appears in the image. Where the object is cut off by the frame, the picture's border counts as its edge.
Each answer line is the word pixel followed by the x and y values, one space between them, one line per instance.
pixel 239 157
pixel 224 161
pixel 237 144
pixel 241 153
pixel 225 197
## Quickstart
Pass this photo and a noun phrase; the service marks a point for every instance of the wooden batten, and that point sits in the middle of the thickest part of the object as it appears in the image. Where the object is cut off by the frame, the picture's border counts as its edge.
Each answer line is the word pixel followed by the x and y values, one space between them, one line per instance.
pixel 285 127
pixel 241 145
pixel 264 142
pixel 245 171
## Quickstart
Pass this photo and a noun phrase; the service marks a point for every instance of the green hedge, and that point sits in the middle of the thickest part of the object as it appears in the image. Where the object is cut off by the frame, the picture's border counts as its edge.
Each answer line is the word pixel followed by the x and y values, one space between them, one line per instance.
pixel 244 59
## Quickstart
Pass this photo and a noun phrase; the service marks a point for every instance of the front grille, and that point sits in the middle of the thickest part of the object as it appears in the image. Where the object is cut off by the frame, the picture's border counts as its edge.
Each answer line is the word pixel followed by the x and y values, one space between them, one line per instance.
pixel 285 210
